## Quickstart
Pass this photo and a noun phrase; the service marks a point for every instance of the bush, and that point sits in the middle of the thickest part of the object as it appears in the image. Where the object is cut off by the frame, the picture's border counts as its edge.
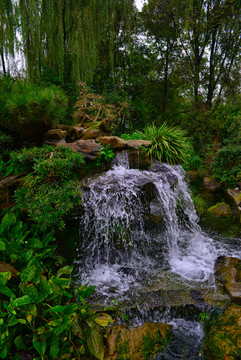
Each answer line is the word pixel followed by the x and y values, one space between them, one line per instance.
pixel 51 189
pixel 169 144
pixel 42 314
pixel 226 164
pixel 23 104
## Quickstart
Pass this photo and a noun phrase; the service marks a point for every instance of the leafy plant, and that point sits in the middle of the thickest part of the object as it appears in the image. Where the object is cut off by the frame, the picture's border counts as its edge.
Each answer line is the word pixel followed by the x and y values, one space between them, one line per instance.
pixel 105 154
pixel 51 189
pixel 133 136
pixel 169 144
pixel 41 301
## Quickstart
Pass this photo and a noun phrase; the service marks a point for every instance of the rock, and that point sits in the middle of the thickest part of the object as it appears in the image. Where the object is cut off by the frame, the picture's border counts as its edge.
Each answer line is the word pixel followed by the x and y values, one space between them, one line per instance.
pixel 90 134
pixel 227 269
pixel 138 159
pixel 234 291
pixel 136 343
pixel 235 195
pixel 221 210
pixel 223 338
pixel 138 143
pixel 155 219
pixel 193 174
pixel 54 134
pixel 114 142
pixel 211 185
pixel 79 131
pixel 89 148
pixel 4 267
pixel 8 186
pixel 105 126
pixel 162 168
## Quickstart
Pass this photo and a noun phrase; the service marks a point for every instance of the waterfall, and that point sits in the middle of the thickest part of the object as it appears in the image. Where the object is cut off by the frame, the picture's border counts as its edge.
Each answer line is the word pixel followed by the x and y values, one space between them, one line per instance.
pixel 120 249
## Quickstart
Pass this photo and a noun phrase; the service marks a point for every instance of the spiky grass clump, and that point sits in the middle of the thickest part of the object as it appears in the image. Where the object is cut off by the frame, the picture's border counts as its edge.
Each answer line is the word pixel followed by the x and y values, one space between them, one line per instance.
pixel 169 143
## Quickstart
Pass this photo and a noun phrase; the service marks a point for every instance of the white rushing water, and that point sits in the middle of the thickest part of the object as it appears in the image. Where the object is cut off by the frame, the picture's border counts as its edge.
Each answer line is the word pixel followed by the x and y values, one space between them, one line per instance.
pixel 120 252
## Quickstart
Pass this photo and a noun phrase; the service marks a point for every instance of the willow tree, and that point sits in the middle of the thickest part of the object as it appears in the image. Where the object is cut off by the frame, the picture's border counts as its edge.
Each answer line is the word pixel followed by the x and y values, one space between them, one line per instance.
pixel 7 31
pixel 71 37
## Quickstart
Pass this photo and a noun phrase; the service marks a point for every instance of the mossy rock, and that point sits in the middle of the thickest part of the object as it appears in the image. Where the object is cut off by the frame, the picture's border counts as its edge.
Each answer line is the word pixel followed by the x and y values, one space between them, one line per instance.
pixel 221 210
pixel 137 343
pixel 224 338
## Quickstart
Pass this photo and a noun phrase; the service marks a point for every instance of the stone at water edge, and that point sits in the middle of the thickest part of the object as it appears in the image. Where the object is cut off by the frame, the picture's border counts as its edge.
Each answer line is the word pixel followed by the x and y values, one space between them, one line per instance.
pixel 114 142
pixel 223 340
pixel 90 134
pixel 221 210
pixel 236 197
pixel 55 134
pixel 89 148
pixel 211 185
pixel 234 291
pixel 137 343
pixel 138 143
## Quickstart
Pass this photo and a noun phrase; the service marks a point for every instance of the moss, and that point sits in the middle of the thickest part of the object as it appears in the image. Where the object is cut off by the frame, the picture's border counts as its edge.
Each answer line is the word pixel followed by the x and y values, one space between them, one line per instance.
pixel 152 344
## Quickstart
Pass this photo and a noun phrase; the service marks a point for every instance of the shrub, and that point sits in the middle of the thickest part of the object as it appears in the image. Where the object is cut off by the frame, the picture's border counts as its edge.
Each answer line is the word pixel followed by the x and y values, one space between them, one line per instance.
pixel 23 104
pixel 42 314
pixel 51 189
pixel 169 144
pixel 226 164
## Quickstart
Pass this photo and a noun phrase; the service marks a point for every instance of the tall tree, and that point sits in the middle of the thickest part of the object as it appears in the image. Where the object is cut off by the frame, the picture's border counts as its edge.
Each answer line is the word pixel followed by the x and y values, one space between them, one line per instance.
pixel 7 30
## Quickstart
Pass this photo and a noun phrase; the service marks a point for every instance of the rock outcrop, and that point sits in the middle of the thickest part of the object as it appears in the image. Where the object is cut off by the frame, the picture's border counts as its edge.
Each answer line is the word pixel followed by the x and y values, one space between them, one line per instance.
pixel 211 185
pixel 137 343
pixel 221 210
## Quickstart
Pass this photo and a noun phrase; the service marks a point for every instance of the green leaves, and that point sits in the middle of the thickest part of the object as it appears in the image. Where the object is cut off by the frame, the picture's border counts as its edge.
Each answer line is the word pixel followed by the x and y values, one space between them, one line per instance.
pixel 169 144
pixel 95 343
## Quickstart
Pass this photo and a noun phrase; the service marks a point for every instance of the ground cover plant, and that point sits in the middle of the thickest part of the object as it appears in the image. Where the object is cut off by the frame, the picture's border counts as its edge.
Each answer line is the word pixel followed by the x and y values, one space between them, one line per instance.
pixel 42 314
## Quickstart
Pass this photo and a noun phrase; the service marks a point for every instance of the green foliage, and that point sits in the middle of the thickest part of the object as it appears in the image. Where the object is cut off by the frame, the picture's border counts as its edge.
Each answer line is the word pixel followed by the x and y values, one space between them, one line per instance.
pixel 51 189
pixel 226 164
pixel 23 104
pixel 169 144
pixel 41 301
pixel 106 154
pixel 153 344
pixel 133 136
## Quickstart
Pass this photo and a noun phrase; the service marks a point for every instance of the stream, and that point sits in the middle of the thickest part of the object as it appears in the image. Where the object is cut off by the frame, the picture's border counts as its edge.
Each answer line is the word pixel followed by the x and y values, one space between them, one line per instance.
pixel 140 243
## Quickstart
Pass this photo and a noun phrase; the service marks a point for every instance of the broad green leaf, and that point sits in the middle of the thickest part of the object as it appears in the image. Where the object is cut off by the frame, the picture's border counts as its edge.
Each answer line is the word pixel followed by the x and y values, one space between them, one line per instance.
pixel 19 343
pixel 6 291
pixel 95 343
pixel 22 321
pixel 4 277
pixel 24 300
pixel 39 344
pixel 28 274
pixel 55 323
pixel 8 220
pixel 58 308
pixel 54 346
pixel 4 353
pixel 62 282
pixel 45 289
pixel 2 245
pixel 103 320
pixel 32 291
pixel 12 320
pixel 35 243
pixel 66 270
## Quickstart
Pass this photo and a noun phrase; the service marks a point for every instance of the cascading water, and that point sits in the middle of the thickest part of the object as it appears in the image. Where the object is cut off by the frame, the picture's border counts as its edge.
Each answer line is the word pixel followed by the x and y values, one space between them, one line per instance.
pixel 118 251
pixel 139 232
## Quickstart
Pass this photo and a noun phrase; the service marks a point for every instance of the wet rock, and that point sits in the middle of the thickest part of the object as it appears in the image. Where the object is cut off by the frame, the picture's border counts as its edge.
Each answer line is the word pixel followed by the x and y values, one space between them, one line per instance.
pixel 137 343
pixel 4 267
pixel 235 195
pixel 54 135
pixel 234 291
pixel 221 210
pixel 90 134
pixel 223 339
pixel 155 219
pixel 227 269
pixel 138 143
pixel 163 168
pixel 114 142
pixel 89 148
pixel 105 126
pixel 8 186
pixel 211 185
pixel 138 159
pixel 79 131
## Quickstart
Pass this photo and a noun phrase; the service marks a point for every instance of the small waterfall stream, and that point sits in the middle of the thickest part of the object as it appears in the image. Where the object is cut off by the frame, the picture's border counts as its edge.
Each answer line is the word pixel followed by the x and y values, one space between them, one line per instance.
pixel 127 256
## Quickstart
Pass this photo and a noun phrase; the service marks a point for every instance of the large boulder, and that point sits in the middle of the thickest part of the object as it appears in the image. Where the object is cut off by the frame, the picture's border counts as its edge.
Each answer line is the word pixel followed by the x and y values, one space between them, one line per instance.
pixel 137 343
pixel 211 185
pixel 136 144
pixel 228 272
pixel 116 143
pixel 89 148
pixel 224 337
pixel 90 134
pixel 221 209
pixel 54 135
pixel 235 195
